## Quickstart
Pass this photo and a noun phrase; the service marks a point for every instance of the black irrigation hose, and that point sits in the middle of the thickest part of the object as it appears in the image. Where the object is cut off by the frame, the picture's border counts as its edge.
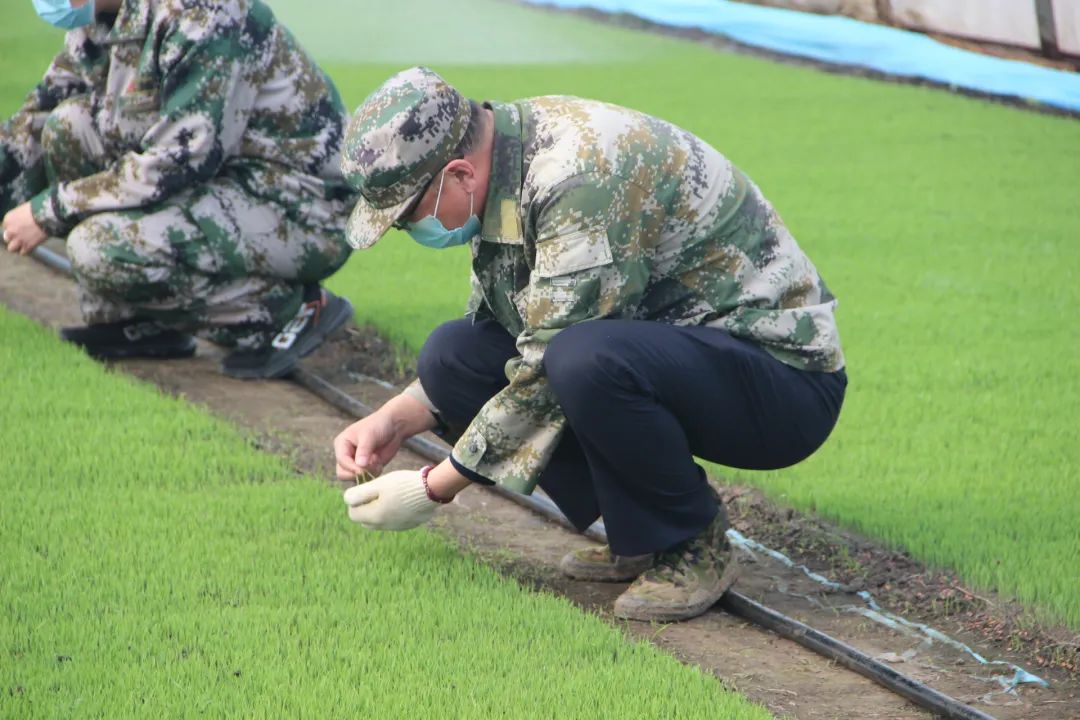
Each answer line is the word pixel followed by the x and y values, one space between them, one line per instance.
pixel 827 646
pixel 734 602
pixel 54 260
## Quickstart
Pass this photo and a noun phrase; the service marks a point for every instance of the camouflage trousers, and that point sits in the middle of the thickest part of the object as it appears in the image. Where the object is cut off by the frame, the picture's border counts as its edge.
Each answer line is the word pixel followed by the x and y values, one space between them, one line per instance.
pixel 211 259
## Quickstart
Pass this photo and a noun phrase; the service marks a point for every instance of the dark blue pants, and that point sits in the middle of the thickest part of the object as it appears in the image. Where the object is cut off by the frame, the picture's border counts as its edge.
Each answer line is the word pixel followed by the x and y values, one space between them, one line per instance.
pixel 642 399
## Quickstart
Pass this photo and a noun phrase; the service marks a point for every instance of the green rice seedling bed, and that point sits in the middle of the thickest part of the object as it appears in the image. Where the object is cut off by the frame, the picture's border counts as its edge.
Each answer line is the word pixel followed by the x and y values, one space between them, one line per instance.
pixel 154 564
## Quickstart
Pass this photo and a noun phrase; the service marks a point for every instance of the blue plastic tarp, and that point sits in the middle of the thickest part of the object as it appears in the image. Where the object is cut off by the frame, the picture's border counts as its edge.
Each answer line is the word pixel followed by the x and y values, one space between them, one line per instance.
pixel 843 41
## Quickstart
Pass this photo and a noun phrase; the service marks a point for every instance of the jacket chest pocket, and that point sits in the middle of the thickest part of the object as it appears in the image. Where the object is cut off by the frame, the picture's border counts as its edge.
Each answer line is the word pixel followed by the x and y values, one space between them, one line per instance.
pixel 136 112
pixel 133 95
pixel 138 103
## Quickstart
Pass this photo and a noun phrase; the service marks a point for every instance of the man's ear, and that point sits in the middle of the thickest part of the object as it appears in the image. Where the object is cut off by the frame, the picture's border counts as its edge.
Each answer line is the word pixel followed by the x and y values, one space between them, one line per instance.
pixel 463 171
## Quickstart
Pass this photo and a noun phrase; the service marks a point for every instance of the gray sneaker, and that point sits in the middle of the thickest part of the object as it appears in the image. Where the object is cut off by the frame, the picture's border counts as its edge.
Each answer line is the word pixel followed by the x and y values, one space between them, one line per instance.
pixel 686 581
pixel 598 564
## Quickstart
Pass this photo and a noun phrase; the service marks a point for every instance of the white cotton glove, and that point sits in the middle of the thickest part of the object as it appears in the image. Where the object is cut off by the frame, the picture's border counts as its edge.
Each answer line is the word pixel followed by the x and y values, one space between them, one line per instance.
pixel 394 501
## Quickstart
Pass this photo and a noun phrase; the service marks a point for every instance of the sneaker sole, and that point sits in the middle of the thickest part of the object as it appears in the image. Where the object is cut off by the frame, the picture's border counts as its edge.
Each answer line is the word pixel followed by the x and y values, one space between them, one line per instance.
pixel 282 366
pixel 174 352
pixel 647 612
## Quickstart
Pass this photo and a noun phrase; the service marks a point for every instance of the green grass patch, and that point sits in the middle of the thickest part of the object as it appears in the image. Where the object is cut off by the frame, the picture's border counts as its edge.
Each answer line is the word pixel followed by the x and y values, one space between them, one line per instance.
pixel 154 564
pixel 435 32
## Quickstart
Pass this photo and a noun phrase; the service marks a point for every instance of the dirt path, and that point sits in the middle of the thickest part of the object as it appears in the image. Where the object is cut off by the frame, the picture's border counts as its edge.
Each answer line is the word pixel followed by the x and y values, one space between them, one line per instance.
pixel 787 679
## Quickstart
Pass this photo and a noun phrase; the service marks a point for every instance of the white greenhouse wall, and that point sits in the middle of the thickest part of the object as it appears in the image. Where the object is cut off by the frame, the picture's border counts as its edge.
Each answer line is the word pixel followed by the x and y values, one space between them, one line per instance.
pixel 1009 22
pixel 1067 22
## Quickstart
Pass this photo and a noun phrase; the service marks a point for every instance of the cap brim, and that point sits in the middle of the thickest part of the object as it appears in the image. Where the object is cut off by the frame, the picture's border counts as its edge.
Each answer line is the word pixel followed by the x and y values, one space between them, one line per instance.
pixel 368 223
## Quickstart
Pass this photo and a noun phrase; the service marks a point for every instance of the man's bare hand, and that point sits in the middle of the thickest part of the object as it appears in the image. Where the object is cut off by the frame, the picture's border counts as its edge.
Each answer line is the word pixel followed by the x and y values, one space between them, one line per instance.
pixel 366 445
pixel 369 444
pixel 21 232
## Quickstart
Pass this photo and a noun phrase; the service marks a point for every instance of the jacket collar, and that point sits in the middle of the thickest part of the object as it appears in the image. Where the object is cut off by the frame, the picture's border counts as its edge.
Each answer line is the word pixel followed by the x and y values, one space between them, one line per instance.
pixel 132 22
pixel 502 218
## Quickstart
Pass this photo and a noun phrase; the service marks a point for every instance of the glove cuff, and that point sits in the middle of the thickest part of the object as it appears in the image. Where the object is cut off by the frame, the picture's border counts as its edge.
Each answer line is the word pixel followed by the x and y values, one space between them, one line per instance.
pixel 415 497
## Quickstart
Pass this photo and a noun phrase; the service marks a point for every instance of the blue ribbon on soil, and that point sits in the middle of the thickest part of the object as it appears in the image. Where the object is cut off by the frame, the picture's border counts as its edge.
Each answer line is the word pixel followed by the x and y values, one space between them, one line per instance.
pixel 875 612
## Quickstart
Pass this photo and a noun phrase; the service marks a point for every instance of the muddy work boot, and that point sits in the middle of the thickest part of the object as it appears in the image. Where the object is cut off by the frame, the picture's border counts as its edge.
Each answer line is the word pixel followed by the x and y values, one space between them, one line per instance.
pixel 130 339
pixel 321 314
pixel 598 564
pixel 686 581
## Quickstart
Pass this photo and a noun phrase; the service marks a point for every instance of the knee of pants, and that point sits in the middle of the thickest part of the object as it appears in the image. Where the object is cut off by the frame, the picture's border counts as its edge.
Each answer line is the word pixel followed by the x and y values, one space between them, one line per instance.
pixel 584 365
pixel 88 247
pixel 443 354
pixel 60 132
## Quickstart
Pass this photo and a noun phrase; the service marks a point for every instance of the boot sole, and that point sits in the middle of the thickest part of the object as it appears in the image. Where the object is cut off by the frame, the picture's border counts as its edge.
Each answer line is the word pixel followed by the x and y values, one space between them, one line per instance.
pixel 595 573
pixel 282 365
pixel 633 609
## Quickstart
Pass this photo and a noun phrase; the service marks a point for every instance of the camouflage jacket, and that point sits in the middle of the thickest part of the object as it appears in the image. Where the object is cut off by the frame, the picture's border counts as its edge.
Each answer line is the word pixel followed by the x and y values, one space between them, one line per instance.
pixel 595 211
pixel 184 91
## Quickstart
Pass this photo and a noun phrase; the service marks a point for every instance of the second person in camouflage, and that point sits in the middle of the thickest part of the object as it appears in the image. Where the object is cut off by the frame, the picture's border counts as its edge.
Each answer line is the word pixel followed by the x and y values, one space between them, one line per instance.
pixel 636 303
pixel 189 153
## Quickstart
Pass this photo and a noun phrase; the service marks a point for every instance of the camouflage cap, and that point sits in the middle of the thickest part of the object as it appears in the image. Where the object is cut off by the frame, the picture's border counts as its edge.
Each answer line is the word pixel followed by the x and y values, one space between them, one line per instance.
pixel 396 142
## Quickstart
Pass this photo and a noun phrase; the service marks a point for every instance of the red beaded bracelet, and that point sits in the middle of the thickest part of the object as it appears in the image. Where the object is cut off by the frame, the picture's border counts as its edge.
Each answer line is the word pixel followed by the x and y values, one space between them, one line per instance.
pixel 427 488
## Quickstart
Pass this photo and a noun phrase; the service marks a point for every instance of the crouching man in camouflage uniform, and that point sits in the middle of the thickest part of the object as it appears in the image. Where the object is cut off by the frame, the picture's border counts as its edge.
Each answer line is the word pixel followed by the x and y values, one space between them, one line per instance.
pixel 636 302
pixel 189 153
